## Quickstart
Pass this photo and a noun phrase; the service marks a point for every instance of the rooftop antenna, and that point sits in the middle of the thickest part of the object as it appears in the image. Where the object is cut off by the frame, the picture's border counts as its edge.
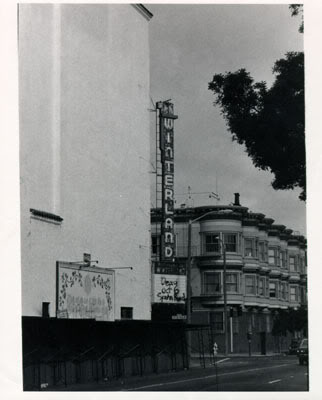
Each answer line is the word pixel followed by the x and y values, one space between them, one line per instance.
pixel 217 193
pixel 154 109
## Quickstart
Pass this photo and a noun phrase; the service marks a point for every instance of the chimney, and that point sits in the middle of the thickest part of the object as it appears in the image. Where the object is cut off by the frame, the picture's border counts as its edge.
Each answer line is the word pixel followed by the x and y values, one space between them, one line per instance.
pixel 236 203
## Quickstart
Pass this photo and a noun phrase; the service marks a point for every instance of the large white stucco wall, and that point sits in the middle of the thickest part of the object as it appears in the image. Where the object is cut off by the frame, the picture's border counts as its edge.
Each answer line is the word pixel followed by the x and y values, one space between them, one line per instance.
pixel 84 128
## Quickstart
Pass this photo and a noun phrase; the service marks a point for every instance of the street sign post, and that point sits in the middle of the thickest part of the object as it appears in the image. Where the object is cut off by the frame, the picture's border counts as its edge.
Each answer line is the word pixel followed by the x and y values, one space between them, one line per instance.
pixel 215 350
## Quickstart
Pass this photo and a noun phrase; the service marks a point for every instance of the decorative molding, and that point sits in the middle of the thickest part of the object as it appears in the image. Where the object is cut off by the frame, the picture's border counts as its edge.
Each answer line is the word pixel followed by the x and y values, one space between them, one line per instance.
pixel 46 216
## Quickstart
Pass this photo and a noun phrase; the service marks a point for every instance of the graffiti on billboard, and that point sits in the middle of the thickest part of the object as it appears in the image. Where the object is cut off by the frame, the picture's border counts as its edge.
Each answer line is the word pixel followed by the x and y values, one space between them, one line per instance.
pixel 169 288
pixel 84 292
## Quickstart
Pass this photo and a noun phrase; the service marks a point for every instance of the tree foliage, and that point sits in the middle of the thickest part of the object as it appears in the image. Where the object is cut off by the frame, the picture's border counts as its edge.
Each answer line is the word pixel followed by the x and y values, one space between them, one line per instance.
pixel 290 320
pixel 297 9
pixel 268 121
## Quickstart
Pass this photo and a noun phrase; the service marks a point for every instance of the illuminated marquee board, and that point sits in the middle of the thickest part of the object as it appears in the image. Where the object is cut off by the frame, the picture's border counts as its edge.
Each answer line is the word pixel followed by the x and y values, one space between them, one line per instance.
pixel 167 117
pixel 84 292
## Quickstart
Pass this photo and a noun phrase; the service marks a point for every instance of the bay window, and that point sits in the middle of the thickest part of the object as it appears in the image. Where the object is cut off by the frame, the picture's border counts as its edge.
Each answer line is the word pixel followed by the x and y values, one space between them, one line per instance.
pixel 230 241
pixel 211 282
pixel 273 289
pixel 262 251
pixel 231 282
pixel 261 286
pixel 273 256
pixel 250 284
pixel 293 293
pixel 250 247
pixel 212 243
pixel 293 263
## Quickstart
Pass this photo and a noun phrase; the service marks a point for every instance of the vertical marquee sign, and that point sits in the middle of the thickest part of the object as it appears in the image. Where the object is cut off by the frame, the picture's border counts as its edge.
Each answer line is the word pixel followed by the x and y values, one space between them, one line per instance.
pixel 166 120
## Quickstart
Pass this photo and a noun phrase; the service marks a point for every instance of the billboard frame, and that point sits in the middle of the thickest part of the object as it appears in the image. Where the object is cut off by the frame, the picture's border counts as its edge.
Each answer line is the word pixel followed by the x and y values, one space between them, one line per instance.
pixel 81 266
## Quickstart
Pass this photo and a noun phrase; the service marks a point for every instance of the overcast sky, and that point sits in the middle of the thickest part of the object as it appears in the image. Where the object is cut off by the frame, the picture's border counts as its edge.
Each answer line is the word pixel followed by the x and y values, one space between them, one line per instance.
pixel 188 45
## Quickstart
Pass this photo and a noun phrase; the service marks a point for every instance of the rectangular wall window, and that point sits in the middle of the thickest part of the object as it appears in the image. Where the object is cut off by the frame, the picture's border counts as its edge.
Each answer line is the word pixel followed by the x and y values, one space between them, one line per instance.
pixel 232 282
pixel 261 286
pixel 126 312
pixel 250 247
pixel 155 243
pixel 216 319
pixel 211 282
pixel 262 251
pixel 293 263
pixel 250 287
pixel 273 289
pixel 230 240
pixel 272 256
pixel 283 262
pixel 293 293
pixel 212 243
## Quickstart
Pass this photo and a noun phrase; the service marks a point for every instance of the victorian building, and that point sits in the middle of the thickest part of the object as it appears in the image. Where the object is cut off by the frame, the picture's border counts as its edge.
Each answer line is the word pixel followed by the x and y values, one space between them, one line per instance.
pixel 265 266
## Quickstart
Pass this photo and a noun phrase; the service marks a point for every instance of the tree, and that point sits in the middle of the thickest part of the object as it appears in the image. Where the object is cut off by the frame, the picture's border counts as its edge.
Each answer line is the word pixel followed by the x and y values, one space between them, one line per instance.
pixel 268 121
pixel 297 9
pixel 290 320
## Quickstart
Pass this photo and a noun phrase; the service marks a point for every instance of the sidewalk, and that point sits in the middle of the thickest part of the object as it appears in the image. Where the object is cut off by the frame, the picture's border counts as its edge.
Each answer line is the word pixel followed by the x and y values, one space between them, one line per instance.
pixel 195 360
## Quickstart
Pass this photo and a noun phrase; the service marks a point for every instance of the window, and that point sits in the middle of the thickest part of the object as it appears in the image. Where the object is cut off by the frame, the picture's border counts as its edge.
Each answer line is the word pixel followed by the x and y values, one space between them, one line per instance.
pixel 231 282
pixel 250 287
pixel 126 312
pixel 283 263
pixel 230 240
pixel 248 248
pixel 211 282
pixel 284 291
pixel 272 256
pixel 155 242
pixel 261 286
pixel 212 244
pixel 216 319
pixel 273 289
pixel 251 247
pixel 293 293
pixel 301 265
pixel 293 263
pixel 262 251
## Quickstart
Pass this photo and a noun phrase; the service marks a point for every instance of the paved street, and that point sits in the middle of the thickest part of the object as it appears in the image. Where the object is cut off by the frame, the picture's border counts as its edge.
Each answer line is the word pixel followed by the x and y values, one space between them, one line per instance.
pixel 274 373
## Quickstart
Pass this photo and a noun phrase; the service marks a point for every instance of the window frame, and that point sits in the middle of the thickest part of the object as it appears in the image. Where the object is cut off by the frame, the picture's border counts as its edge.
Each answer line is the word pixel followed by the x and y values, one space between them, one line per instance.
pixel 227 244
pixel 212 243
pixel 206 285
pixel 253 276
pixel 262 280
pixel 295 265
pixel 275 283
pixel 275 256
pixel 156 245
pixel 296 299
pixel 126 309
pixel 262 255
pixel 236 284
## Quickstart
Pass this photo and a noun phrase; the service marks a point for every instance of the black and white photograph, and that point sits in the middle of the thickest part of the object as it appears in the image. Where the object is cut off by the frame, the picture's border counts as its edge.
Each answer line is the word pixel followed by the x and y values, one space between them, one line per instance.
pixel 161 156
